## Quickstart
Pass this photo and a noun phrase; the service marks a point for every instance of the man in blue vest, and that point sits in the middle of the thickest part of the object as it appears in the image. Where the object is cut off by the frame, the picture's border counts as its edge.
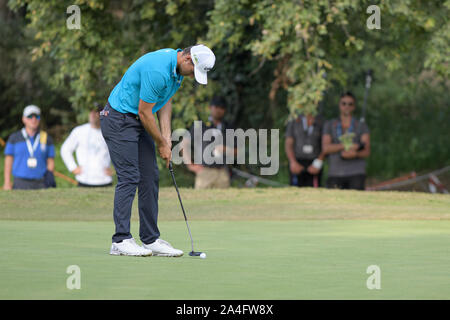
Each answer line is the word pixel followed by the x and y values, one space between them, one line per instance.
pixel 128 124
pixel 29 154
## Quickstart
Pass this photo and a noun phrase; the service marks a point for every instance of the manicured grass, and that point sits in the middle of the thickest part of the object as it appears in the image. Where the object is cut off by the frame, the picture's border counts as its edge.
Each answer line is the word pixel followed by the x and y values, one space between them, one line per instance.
pixel 261 244
pixel 231 204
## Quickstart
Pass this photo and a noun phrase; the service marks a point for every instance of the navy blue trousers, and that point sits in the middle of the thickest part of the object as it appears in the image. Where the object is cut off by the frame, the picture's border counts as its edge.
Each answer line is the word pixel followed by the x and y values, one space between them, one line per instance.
pixel 132 152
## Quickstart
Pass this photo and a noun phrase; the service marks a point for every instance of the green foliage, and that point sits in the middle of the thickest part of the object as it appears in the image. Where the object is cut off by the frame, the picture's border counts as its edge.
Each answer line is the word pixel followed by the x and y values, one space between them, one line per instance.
pixel 91 60
pixel 275 59
pixel 24 82
pixel 408 118
pixel 309 38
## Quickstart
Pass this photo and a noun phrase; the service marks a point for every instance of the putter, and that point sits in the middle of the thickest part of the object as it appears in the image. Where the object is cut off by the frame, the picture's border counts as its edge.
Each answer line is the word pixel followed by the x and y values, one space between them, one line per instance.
pixel 192 253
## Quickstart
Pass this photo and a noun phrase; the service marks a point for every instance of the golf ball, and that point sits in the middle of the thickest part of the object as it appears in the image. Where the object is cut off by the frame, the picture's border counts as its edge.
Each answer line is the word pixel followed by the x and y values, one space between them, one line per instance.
pixel 203 255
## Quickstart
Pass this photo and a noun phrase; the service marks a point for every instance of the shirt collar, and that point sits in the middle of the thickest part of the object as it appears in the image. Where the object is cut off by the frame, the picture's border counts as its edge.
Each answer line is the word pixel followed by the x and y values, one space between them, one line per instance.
pixel 174 67
pixel 32 137
pixel 306 127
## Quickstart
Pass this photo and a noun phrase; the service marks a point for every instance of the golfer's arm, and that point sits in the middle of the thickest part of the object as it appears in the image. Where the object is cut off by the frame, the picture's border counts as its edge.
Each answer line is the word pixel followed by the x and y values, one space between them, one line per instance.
pixel 165 117
pixel 329 147
pixel 364 153
pixel 289 148
pixel 8 169
pixel 149 122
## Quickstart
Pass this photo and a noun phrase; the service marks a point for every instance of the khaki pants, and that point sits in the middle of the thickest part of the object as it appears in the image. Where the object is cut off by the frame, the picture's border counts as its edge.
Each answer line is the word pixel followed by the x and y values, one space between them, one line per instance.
pixel 212 178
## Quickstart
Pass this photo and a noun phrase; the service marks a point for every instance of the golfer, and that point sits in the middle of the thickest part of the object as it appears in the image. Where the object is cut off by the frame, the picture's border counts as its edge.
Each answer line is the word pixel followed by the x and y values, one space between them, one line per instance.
pixel 128 124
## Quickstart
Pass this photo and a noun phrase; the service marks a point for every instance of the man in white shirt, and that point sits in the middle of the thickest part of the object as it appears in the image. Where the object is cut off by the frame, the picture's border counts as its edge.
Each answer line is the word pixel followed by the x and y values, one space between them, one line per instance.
pixel 94 164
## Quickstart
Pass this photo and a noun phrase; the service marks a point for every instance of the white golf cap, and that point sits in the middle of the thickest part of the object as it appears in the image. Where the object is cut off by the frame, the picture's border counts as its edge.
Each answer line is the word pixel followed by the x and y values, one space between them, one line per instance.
pixel 204 60
pixel 31 109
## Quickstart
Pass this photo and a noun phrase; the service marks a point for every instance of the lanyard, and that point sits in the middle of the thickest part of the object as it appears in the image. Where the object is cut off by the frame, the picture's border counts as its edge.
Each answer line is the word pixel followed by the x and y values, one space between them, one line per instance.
pixel 305 126
pixel 339 128
pixel 31 150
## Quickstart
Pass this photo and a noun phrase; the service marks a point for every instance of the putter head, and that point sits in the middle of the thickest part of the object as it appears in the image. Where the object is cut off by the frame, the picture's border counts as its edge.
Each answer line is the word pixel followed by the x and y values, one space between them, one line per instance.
pixel 195 253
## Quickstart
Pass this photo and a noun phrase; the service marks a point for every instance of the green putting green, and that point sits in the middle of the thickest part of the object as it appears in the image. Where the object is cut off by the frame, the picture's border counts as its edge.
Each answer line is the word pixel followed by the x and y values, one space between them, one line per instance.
pixel 318 244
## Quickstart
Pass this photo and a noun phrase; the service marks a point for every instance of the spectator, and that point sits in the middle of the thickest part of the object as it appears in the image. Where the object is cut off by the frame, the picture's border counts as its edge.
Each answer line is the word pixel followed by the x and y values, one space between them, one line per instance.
pixel 212 175
pixel 29 154
pixel 303 148
pixel 94 164
pixel 347 142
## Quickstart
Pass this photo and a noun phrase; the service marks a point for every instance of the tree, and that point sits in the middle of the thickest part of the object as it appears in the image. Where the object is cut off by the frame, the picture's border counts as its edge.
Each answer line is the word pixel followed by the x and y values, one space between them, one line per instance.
pixel 22 81
pixel 310 38
pixel 91 60
pixel 274 59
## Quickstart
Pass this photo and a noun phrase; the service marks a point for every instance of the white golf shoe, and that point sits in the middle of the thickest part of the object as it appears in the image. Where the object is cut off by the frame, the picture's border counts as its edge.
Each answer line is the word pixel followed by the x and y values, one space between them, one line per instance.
pixel 163 249
pixel 129 247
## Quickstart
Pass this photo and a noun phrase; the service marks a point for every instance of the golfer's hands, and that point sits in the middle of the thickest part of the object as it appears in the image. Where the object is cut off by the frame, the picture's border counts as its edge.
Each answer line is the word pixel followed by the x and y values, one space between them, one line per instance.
pixel 295 167
pixel 165 152
pixel 196 168
pixel 77 171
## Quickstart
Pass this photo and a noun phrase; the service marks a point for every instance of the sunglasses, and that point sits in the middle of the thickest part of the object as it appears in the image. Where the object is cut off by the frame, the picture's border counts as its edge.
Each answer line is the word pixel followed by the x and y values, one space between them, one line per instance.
pixel 34 115
pixel 347 103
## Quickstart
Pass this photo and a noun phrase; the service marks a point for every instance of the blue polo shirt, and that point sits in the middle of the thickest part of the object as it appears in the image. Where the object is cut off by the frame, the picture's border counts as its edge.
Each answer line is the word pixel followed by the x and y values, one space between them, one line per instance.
pixel 152 78
pixel 16 146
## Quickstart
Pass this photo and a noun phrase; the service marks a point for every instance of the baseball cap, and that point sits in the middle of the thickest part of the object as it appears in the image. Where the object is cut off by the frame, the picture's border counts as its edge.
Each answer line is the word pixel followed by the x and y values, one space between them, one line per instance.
pixel 218 102
pixel 204 60
pixel 97 107
pixel 31 109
